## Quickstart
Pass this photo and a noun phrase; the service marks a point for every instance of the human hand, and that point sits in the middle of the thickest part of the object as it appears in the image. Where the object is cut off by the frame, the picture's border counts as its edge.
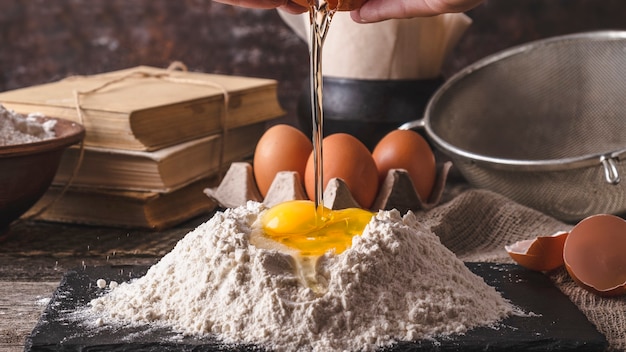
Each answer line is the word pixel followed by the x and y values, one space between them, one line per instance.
pixel 286 5
pixel 373 10
pixel 380 10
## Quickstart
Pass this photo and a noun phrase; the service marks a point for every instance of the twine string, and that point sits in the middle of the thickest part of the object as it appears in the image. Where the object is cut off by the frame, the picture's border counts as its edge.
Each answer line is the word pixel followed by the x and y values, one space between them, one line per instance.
pixel 166 76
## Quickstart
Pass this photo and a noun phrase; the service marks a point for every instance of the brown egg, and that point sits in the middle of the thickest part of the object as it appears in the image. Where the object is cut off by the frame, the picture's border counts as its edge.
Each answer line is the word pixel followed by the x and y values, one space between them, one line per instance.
pixel 347 158
pixel 340 5
pixel 404 149
pixel 281 148
pixel 594 254
pixel 542 253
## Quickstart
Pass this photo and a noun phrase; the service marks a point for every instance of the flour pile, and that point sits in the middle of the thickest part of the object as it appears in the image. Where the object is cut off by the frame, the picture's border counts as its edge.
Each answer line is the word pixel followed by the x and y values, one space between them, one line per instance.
pixel 19 129
pixel 396 283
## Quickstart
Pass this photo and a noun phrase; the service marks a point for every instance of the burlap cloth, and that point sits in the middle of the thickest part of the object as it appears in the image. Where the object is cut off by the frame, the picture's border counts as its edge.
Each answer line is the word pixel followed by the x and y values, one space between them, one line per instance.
pixel 477 224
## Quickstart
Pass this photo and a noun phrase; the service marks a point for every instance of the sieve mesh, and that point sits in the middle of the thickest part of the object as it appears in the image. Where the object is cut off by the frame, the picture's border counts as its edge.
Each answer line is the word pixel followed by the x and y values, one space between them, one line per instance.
pixel 556 99
pixel 533 122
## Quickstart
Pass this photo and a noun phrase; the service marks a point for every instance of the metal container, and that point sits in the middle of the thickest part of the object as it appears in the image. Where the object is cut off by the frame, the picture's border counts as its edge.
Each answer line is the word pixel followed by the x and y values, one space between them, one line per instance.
pixel 367 109
pixel 542 123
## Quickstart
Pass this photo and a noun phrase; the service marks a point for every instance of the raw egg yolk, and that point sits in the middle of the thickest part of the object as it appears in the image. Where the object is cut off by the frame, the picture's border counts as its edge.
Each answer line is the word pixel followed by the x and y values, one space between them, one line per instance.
pixel 298 225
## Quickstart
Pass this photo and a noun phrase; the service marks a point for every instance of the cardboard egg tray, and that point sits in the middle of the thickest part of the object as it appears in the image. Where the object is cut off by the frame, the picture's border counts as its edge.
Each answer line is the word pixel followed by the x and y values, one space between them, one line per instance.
pixel 396 192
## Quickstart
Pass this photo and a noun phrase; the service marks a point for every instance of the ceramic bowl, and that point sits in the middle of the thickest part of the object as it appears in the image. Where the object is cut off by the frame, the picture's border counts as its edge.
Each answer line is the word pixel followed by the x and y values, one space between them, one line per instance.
pixel 27 170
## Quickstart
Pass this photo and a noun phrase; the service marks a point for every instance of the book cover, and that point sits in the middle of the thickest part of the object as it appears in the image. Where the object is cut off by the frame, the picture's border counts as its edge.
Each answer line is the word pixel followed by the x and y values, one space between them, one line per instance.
pixel 148 108
pixel 128 209
pixel 163 170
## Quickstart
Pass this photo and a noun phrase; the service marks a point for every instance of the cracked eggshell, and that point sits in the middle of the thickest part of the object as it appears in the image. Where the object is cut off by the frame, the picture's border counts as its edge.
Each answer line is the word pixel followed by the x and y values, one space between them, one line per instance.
pixel 543 253
pixel 595 254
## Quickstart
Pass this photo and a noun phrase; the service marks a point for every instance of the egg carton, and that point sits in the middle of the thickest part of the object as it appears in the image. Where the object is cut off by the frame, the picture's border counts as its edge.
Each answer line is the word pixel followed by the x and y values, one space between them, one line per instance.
pixel 396 192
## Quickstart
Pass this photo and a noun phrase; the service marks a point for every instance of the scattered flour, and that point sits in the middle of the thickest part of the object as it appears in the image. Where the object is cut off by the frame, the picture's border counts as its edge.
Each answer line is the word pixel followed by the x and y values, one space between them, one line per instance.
pixel 396 283
pixel 19 129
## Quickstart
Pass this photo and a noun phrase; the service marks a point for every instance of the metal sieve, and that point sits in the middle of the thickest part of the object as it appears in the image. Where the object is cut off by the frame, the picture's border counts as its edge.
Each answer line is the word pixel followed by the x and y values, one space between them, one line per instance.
pixel 542 123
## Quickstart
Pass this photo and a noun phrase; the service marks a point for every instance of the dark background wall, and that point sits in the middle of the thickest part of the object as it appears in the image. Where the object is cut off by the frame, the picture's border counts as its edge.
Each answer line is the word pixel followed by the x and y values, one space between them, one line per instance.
pixel 46 40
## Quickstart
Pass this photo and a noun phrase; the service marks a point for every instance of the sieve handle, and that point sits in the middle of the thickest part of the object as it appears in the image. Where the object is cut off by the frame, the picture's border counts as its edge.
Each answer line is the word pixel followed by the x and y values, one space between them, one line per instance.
pixel 420 124
pixel 611 175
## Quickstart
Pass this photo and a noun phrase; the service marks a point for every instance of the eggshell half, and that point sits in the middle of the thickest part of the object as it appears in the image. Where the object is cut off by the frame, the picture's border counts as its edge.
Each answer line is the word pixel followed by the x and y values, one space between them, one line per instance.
pixel 595 254
pixel 543 253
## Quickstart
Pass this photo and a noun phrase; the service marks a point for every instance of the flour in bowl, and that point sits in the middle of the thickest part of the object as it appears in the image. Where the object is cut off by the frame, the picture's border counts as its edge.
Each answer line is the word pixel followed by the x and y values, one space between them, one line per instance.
pixel 396 282
pixel 20 129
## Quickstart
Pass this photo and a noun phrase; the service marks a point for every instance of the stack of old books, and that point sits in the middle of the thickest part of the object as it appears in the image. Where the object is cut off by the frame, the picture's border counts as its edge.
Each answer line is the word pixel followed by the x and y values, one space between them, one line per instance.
pixel 155 139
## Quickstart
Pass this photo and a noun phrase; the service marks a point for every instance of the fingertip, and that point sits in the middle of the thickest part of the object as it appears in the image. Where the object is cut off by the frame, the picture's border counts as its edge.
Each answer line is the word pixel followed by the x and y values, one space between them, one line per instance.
pixel 293 8
pixel 356 16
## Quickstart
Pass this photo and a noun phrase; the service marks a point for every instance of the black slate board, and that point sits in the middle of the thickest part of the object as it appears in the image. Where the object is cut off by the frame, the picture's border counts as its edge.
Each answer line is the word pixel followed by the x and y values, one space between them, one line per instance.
pixel 556 325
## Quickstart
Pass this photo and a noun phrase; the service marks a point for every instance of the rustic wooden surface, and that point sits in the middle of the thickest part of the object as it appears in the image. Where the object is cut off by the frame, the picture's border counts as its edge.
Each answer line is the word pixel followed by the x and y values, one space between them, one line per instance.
pixel 20 307
pixel 35 255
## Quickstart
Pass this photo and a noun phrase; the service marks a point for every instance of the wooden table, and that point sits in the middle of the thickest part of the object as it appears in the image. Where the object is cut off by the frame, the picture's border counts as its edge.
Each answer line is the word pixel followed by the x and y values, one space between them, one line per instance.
pixel 35 255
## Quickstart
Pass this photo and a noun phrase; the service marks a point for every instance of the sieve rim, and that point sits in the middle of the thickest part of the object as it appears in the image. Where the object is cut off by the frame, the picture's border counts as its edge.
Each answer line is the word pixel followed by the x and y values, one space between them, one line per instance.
pixel 518 164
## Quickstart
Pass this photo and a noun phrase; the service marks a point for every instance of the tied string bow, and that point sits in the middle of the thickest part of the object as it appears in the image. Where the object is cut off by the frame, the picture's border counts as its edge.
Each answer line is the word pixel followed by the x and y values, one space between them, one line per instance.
pixel 166 76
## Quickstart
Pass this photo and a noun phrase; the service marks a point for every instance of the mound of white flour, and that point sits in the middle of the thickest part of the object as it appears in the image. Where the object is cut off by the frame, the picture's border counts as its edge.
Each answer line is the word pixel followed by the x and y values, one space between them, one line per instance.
pixel 396 282
pixel 19 129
